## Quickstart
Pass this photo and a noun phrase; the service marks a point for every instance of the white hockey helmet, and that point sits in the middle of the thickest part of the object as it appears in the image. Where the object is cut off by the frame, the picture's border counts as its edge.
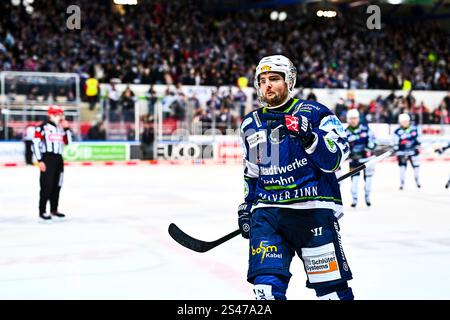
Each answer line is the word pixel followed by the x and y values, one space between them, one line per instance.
pixel 276 63
pixel 404 117
pixel 352 113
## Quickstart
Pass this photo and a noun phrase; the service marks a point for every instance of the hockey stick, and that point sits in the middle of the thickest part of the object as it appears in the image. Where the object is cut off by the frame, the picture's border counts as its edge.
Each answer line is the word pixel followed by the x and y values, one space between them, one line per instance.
pixel 202 246
pixel 194 244
pixel 366 165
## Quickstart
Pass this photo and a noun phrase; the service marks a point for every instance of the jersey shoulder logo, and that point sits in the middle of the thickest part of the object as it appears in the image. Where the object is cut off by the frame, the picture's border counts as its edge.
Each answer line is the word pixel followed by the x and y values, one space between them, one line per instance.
pixel 330 144
pixel 246 189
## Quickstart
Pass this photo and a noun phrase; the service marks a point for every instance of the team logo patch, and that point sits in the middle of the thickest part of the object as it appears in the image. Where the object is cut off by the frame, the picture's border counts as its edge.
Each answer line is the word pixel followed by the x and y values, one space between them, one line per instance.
pixel 256 138
pixel 292 123
pixel 276 136
pixel 330 144
pixel 246 189
pixel 266 68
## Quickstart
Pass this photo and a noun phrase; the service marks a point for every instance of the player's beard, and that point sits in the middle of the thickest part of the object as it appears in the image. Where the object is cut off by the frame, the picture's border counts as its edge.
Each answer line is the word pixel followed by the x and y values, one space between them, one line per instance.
pixel 276 99
pixel 354 124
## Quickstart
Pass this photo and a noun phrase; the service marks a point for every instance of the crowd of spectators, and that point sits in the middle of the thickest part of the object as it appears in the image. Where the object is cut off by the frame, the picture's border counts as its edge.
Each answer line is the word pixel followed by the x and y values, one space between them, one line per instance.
pixel 222 109
pixel 225 109
pixel 178 42
pixel 170 42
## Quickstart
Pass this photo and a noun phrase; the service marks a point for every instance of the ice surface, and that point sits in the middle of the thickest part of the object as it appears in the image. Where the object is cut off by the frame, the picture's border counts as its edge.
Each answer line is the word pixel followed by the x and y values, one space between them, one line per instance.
pixel 114 243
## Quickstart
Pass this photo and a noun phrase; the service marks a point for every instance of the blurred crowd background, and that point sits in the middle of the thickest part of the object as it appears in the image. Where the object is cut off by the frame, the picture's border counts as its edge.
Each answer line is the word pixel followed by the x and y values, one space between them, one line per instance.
pixel 218 43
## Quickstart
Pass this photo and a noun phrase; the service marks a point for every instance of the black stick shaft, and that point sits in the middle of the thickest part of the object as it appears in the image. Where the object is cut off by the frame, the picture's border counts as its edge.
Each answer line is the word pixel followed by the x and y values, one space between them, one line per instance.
pixel 203 246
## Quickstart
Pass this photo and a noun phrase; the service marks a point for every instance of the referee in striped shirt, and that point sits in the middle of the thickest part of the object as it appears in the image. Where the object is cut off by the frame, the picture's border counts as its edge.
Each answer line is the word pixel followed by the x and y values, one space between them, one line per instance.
pixel 48 142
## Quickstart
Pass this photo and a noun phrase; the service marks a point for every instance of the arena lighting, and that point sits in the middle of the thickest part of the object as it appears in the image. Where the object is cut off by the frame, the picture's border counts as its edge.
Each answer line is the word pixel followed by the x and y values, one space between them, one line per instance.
pixel 126 2
pixel 394 1
pixel 29 9
pixel 326 14
pixel 282 16
pixel 15 2
pixel 274 15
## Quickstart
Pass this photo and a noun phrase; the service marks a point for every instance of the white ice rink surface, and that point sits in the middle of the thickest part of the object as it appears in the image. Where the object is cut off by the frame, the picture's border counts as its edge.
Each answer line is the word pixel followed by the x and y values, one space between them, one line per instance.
pixel 114 243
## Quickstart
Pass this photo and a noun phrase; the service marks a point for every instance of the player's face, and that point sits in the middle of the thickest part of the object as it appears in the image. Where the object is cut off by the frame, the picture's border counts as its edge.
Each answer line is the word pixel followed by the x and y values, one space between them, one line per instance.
pixel 353 121
pixel 56 118
pixel 404 123
pixel 273 88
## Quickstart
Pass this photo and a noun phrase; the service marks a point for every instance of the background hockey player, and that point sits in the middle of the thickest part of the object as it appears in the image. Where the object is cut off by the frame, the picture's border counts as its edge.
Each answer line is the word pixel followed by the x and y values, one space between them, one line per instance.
pixel 292 199
pixel 362 145
pixel 440 151
pixel 28 139
pixel 48 143
pixel 406 146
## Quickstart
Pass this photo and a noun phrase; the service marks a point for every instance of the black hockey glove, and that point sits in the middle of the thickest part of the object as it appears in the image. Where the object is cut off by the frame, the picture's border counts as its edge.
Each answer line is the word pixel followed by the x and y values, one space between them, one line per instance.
pixel 297 126
pixel 244 219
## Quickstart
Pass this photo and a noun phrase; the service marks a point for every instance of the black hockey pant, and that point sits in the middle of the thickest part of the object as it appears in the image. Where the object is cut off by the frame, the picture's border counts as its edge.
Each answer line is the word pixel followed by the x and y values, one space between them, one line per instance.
pixel 51 181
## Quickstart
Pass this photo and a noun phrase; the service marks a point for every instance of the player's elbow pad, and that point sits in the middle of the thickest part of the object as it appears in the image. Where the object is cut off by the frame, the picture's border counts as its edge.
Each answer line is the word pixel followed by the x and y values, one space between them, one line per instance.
pixel 250 189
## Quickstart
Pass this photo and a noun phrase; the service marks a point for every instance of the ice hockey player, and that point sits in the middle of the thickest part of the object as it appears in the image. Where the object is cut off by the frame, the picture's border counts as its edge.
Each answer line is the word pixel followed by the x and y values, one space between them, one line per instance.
pixel 362 145
pixel 49 138
pixel 292 199
pixel 406 146
pixel 440 151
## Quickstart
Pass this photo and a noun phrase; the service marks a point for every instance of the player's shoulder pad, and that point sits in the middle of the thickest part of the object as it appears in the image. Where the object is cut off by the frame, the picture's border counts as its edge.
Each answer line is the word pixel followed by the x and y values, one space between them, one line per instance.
pixel 251 120
pixel 320 116
pixel 314 110
pixel 309 105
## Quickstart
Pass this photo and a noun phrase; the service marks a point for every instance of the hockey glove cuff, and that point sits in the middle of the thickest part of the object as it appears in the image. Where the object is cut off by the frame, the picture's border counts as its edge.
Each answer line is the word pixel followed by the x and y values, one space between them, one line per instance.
pixel 244 213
